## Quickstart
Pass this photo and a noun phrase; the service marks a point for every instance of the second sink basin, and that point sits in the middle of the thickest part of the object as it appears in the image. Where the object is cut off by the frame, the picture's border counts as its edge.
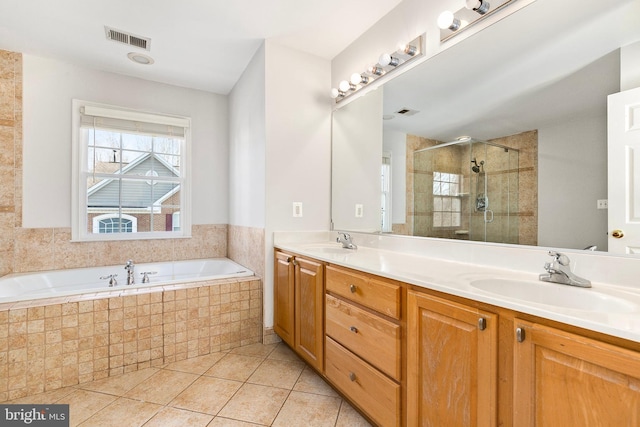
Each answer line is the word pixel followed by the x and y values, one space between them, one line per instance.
pixel 557 295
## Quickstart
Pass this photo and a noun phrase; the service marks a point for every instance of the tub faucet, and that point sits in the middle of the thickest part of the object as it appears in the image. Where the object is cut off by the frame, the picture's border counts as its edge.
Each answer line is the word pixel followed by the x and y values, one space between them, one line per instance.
pixel 345 239
pixel 559 271
pixel 129 266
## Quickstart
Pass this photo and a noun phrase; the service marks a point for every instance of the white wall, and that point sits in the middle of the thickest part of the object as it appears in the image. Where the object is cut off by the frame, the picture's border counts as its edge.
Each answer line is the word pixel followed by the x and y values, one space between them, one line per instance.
pixel 568 153
pixel 50 85
pixel 357 159
pixel 395 142
pixel 630 66
pixel 298 148
pixel 247 140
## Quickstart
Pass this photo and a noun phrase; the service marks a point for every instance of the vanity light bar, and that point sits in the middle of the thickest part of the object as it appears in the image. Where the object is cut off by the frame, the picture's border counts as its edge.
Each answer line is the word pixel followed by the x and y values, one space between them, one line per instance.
pixel 387 63
pixel 451 23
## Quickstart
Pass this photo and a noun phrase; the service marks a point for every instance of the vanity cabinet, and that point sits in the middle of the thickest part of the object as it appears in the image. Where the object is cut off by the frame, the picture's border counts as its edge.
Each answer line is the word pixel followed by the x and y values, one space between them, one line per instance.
pixel 283 297
pixel 409 356
pixel 564 379
pixel 452 352
pixel 364 342
pixel 298 306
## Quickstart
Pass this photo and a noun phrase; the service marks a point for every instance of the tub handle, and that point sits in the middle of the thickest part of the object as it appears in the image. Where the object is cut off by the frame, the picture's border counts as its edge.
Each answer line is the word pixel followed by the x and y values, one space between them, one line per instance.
pixel 112 279
pixel 145 275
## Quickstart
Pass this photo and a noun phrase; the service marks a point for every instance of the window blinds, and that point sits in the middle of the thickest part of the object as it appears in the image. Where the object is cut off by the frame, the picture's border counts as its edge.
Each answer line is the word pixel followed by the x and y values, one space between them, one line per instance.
pixel 133 121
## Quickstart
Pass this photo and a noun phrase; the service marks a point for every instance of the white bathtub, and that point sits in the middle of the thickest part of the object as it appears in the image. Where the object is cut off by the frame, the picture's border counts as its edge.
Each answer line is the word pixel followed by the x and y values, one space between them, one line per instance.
pixel 80 281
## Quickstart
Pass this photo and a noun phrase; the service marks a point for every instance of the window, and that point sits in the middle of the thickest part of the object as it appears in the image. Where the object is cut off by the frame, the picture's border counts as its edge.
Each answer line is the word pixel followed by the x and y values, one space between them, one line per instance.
pixel 447 208
pixel 110 223
pixel 130 172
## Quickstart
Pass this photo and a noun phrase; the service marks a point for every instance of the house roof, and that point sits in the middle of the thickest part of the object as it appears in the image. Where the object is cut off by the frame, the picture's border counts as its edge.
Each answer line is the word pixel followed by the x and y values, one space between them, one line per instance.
pixel 129 191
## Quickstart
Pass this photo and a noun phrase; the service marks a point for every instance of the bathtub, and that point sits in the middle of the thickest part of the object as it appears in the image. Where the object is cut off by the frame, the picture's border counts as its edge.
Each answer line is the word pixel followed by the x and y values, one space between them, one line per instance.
pixel 91 281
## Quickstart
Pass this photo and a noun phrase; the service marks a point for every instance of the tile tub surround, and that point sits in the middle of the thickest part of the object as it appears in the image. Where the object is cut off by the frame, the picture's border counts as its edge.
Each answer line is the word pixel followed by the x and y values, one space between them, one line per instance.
pixel 60 344
pixel 254 385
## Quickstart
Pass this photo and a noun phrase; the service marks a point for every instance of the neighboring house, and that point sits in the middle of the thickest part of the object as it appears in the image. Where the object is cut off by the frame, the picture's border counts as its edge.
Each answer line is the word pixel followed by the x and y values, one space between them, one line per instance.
pixel 127 203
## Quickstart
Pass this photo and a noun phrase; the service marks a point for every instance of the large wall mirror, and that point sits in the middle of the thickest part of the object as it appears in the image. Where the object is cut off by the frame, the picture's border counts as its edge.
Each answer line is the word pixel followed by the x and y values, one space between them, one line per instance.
pixel 501 137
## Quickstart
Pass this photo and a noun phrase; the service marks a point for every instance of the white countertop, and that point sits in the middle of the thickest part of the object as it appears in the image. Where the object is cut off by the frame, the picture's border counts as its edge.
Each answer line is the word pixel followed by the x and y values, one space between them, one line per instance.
pixel 605 308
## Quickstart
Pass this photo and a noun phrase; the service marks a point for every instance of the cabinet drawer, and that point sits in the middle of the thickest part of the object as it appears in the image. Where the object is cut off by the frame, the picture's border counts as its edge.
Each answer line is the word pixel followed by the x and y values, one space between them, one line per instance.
pixel 374 393
pixel 370 291
pixel 369 336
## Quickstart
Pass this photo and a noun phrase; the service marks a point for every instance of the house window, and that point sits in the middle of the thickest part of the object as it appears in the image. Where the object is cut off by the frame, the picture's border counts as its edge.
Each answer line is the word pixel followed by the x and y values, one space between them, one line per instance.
pixel 109 223
pixel 447 208
pixel 130 172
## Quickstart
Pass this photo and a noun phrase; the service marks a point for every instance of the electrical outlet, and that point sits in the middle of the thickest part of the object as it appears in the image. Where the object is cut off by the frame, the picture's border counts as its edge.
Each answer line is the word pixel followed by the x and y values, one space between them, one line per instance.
pixel 297 209
pixel 603 204
pixel 359 210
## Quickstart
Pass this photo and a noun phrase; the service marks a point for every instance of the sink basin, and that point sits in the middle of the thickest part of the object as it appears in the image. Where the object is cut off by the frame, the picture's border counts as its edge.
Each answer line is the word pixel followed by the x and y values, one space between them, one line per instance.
pixel 561 296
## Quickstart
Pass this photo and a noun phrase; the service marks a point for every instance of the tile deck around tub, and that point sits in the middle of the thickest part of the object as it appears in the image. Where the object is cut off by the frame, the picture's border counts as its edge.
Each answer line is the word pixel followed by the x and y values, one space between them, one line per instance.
pixel 255 385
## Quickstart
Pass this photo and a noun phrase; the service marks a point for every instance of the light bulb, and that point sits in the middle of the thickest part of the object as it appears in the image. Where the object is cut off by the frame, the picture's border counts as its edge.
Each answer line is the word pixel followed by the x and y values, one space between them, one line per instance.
pixel 344 86
pixel 376 71
pixel 446 20
pixel 357 78
pixel 335 93
pixel 386 59
pixel 479 6
pixel 409 49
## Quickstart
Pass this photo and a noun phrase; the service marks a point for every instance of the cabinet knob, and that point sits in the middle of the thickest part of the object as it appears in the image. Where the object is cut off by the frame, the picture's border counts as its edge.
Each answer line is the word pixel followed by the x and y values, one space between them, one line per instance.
pixel 519 334
pixel 289 259
pixel 353 329
pixel 352 376
pixel 482 323
pixel 353 288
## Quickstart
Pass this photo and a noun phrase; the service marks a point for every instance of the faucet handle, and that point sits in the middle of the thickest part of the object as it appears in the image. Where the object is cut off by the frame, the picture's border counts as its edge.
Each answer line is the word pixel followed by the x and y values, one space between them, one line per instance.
pixel 560 258
pixel 145 275
pixel 112 279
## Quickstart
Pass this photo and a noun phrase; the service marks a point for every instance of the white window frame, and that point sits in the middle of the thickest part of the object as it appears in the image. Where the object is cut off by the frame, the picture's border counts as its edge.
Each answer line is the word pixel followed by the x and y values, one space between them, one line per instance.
pixel 79 211
pixel 96 221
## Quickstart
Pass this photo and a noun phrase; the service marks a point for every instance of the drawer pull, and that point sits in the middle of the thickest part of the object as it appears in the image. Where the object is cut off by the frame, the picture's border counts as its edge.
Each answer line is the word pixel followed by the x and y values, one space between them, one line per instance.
pixel 353 288
pixel 482 323
pixel 519 334
pixel 353 329
pixel 352 376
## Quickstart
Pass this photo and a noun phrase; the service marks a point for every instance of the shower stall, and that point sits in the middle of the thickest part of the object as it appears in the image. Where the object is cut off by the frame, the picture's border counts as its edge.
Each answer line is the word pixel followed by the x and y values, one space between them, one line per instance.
pixel 466 189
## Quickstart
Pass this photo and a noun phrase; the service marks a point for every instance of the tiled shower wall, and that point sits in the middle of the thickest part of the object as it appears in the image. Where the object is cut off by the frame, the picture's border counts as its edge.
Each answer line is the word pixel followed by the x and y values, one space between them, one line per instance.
pixel 527 171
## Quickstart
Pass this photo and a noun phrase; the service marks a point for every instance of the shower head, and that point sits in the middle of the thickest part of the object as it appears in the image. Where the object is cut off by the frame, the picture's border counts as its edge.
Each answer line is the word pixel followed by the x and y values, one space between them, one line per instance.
pixel 476 168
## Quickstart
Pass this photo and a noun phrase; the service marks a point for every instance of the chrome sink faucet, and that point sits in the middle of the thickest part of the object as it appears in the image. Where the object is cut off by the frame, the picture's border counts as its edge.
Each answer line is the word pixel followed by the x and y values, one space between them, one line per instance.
pixel 345 239
pixel 129 266
pixel 558 271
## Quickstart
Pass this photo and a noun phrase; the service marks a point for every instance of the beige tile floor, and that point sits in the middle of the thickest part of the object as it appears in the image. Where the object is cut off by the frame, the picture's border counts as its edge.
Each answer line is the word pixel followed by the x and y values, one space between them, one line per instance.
pixel 256 385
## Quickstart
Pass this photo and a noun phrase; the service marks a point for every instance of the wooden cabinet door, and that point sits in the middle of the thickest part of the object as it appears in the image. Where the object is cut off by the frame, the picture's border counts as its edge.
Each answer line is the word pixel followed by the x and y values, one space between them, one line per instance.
pixel 451 363
pixel 309 310
pixel 563 379
pixel 283 301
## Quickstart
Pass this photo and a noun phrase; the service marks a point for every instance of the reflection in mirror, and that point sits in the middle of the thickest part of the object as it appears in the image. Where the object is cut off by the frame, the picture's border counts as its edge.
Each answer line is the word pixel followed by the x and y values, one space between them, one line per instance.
pixel 468 190
pixel 542 96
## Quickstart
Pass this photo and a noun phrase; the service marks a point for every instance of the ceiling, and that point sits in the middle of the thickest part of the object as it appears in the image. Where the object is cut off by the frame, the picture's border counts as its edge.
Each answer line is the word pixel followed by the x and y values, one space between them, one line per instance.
pixel 548 63
pixel 199 44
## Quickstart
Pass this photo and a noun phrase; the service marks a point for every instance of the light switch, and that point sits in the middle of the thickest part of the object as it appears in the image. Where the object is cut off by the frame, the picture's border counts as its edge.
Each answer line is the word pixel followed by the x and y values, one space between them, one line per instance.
pixel 297 209
pixel 359 210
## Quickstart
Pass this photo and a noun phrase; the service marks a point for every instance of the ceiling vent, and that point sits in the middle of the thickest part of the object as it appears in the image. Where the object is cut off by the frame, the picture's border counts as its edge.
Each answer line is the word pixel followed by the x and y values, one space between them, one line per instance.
pixel 407 112
pixel 127 38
